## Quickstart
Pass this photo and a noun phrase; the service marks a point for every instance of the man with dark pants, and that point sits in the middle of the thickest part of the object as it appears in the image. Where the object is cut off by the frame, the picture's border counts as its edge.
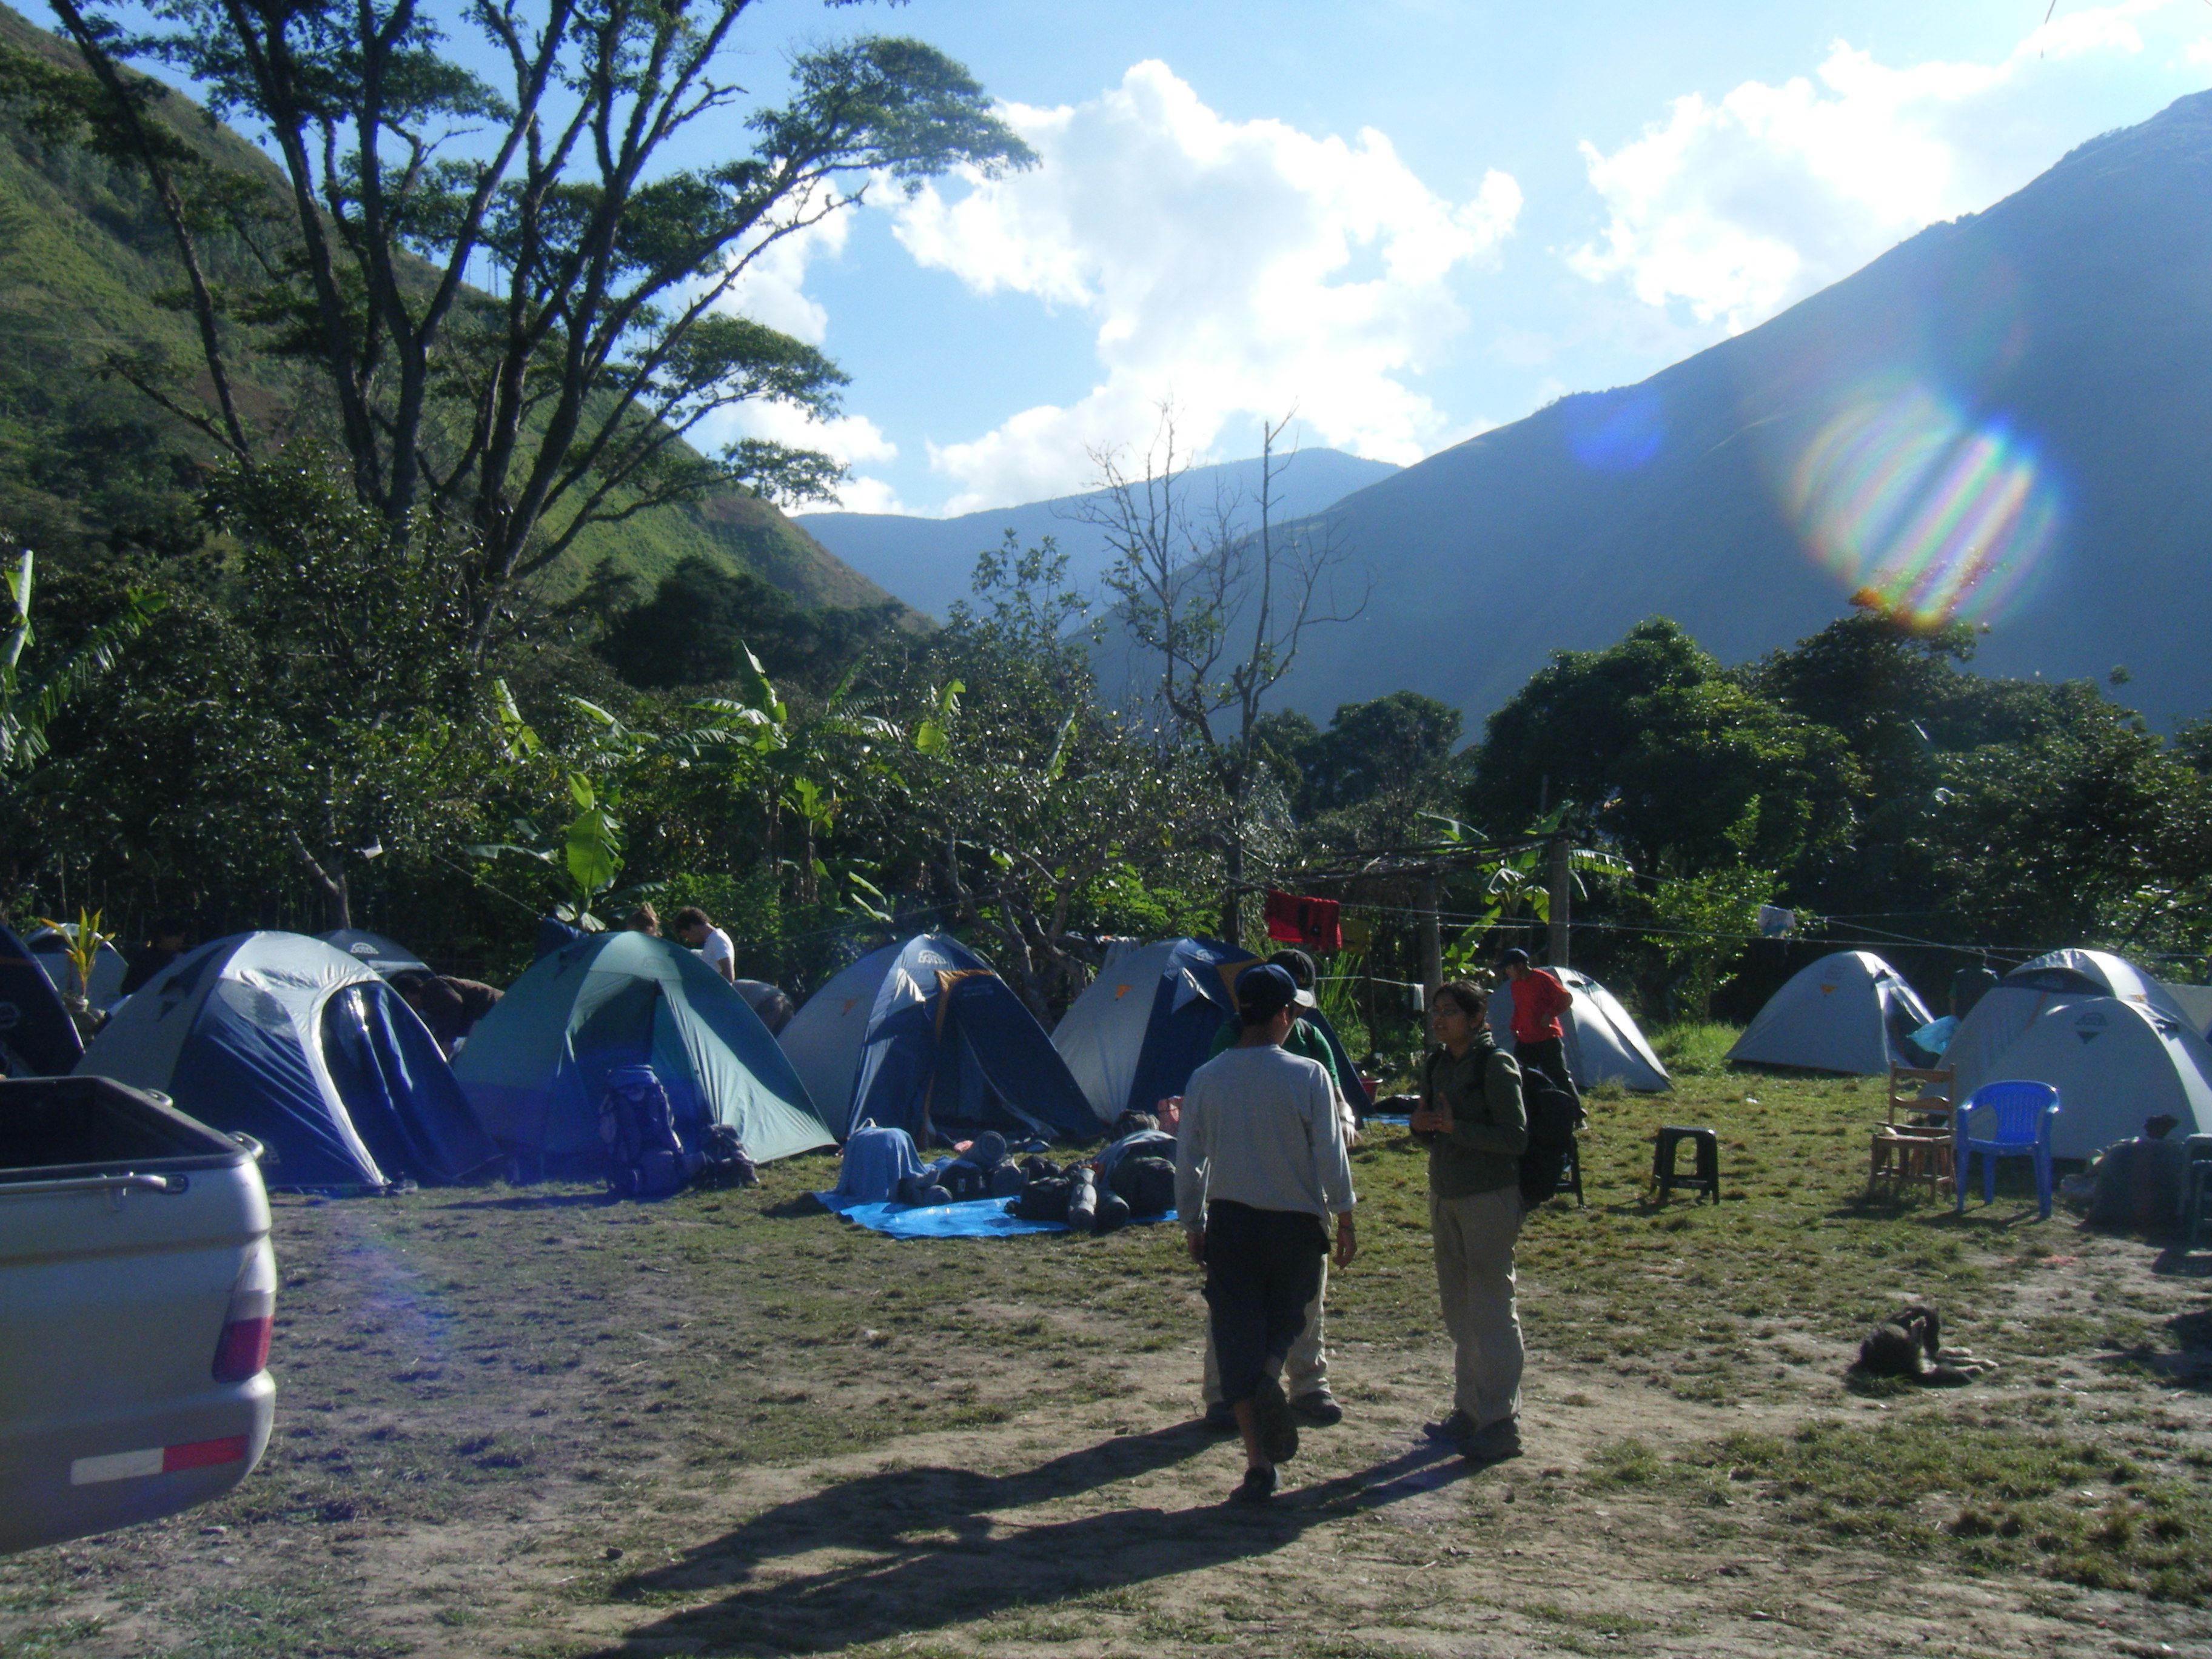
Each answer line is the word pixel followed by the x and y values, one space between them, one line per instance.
pixel 1305 1374
pixel 1260 1166
pixel 1539 1000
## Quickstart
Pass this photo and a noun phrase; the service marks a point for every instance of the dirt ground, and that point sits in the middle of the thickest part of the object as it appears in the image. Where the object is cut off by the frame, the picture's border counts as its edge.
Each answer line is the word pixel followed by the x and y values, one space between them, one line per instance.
pixel 533 1422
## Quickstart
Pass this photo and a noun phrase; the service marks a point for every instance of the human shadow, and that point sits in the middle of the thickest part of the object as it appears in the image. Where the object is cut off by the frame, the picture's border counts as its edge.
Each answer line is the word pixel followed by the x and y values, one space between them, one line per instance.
pixel 932 1559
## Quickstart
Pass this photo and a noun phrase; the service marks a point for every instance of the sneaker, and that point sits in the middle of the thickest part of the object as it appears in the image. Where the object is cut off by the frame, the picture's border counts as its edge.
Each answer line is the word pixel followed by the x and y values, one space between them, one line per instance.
pixel 1496 1443
pixel 1258 1486
pixel 1221 1417
pixel 1279 1430
pixel 1455 1428
pixel 1318 1409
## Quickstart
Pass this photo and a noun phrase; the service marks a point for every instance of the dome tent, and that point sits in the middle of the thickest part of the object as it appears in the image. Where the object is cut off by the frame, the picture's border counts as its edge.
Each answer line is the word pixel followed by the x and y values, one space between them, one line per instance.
pixel 2115 1062
pixel 37 1037
pixel 1603 1042
pixel 2058 979
pixel 1144 1024
pixel 535 1067
pixel 823 1040
pixel 374 950
pixel 1847 1013
pixel 946 1048
pixel 281 1037
pixel 50 949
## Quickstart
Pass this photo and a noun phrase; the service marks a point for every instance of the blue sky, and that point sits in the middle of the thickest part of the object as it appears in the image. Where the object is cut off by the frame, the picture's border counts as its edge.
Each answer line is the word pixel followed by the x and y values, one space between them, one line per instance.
pixel 1411 218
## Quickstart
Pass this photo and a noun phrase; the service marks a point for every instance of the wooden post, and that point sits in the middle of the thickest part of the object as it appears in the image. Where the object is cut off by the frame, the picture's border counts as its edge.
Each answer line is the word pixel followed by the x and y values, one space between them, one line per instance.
pixel 1562 885
pixel 1432 940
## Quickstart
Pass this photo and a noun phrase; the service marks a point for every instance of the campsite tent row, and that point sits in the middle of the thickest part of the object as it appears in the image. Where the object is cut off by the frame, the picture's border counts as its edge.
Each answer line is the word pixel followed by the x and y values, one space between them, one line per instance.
pixel 2119 1046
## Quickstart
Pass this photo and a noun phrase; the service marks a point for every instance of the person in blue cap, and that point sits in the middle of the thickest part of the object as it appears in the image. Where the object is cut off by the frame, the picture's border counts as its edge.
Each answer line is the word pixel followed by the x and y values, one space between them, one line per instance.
pixel 1261 1168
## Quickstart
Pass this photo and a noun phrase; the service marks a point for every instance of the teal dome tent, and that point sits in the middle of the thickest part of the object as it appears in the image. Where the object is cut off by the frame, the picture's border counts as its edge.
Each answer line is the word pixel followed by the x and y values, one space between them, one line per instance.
pixel 535 1067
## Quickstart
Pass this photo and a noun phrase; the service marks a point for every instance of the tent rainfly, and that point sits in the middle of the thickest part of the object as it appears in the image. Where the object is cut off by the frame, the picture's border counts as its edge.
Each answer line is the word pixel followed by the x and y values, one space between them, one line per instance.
pixel 1846 1013
pixel 50 949
pixel 946 1049
pixel 535 1067
pixel 374 950
pixel 2115 1062
pixel 281 1037
pixel 37 1037
pixel 1603 1043
pixel 1147 1022
pixel 2059 980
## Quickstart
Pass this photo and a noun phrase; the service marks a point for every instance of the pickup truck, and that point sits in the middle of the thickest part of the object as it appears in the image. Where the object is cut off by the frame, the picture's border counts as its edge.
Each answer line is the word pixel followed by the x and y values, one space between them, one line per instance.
pixel 138 1292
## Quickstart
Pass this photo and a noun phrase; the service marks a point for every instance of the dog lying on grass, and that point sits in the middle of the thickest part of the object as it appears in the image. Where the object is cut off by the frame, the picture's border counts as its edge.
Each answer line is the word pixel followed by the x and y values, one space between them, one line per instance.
pixel 1910 1345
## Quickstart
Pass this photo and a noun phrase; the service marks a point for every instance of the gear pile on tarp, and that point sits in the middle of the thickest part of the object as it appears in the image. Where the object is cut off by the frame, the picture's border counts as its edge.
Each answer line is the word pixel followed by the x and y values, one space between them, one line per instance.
pixel 988 1189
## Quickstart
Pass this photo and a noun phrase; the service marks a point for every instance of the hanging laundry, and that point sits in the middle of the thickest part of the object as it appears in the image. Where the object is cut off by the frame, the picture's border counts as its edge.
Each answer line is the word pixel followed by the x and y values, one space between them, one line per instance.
pixel 1317 924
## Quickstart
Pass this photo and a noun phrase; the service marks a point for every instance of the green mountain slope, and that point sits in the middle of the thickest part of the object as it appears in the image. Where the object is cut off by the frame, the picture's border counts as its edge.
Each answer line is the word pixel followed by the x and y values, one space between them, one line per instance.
pixel 86 460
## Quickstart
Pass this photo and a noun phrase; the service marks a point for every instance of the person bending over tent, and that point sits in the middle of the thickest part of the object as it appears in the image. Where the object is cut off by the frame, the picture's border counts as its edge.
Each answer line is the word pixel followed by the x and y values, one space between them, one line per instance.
pixel 691 925
pixel 1305 1374
pixel 1260 1167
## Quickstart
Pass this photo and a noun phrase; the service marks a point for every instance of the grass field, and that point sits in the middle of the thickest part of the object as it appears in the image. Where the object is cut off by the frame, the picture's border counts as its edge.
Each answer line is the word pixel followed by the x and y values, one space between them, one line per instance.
pixel 532 1421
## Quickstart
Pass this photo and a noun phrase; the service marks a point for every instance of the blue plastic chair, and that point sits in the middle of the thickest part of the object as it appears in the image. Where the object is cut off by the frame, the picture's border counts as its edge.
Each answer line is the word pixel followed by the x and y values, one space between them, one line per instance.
pixel 2006 1119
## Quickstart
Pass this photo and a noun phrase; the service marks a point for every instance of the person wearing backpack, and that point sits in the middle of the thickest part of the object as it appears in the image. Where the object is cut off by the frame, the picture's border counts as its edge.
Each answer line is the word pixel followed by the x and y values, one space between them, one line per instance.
pixel 1472 1118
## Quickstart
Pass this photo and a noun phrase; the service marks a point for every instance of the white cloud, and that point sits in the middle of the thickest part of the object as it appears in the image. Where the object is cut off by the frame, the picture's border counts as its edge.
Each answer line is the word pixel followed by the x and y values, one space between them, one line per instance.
pixel 853 438
pixel 1237 268
pixel 771 289
pixel 1739 207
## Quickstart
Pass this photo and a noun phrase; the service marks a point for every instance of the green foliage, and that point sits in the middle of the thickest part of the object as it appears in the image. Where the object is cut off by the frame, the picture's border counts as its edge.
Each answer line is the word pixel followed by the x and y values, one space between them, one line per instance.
pixel 694 629
pixel 1704 921
pixel 27 709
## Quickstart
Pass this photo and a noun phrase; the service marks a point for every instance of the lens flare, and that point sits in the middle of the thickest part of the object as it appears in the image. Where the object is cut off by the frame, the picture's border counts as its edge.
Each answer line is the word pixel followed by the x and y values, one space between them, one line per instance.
pixel 1922 513
pixel 1614 432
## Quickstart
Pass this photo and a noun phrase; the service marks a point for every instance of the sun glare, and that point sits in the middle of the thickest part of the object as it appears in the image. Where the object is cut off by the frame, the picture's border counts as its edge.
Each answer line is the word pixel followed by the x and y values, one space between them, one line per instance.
pixel 1922 511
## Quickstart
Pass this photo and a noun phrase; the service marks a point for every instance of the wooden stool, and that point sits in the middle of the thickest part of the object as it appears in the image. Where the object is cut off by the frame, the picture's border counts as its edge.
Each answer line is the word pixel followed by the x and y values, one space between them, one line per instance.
pixel 1665 1176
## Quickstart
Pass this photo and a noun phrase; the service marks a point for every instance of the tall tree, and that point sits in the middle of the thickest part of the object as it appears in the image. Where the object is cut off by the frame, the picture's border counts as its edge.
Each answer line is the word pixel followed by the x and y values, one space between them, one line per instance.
pixel 520 306
pixel 1222 601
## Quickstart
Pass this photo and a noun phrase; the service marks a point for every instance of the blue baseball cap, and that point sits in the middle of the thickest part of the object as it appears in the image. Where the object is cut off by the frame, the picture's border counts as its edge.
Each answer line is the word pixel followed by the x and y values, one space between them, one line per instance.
pixel 1265 990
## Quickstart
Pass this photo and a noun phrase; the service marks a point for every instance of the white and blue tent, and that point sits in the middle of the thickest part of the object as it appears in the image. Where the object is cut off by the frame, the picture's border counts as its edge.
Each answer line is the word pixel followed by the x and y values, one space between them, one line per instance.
pixel 535 1068
pixel 281 1037
pixel 1148 1021
pixel 1850 1012
pixel 2059 980
pixel 374 950
pixel 946 1050
pixel 1603 1043
pixel 2115 1062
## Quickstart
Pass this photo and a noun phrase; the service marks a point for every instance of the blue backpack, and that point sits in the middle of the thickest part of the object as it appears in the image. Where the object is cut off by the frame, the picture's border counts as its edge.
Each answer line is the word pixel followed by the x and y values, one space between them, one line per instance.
pixel 646 1157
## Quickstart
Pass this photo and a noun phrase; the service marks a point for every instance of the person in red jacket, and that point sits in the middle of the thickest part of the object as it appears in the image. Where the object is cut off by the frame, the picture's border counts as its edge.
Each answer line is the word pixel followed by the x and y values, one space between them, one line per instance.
pixel 1539 1000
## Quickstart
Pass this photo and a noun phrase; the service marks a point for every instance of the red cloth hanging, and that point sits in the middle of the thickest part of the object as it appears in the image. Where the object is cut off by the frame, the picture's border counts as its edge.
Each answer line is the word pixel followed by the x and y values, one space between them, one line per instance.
pixel 1317 924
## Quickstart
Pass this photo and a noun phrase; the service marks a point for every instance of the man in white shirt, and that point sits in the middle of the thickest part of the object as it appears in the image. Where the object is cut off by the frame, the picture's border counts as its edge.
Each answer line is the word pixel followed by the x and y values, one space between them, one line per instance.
pixel 691 925
pixel 1260 1168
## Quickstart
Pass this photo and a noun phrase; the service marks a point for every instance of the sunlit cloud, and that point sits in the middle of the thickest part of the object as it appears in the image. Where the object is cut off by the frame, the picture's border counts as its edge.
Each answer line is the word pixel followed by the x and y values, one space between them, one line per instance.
pixel 1236 268
pixel 1735 207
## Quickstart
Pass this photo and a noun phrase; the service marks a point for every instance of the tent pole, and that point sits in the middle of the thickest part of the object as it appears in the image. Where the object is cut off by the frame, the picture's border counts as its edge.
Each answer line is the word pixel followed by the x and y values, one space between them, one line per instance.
pixel 1562 885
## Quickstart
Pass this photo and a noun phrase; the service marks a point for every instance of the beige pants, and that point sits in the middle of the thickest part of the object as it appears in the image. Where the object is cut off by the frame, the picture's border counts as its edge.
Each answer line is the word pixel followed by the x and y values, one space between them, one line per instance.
pixel 1474 1239
pixel 1306 1371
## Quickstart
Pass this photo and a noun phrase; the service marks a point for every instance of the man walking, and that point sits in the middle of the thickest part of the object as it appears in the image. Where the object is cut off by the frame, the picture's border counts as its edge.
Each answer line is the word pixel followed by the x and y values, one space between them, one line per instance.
pixel 1539 1000
pixel 1472 1117
pixel 1305 1373
pixel 1260 1167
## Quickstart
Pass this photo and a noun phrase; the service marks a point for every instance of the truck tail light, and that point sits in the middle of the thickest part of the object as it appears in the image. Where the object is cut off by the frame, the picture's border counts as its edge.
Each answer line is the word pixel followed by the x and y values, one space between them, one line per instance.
pixel 242 1352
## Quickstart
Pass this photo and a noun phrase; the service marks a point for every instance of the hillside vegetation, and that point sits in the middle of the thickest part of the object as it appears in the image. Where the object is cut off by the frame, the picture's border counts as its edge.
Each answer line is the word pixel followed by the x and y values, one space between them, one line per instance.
pixel 88 464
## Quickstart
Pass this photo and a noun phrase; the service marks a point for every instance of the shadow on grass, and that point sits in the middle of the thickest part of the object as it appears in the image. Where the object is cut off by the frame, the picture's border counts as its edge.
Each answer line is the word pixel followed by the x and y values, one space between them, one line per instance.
pixel 932 1558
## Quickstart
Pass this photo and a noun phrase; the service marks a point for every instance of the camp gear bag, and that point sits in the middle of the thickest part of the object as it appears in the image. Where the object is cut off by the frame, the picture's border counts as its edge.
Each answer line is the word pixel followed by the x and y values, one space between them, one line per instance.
pixel 646 1157
pixel 723 1160
pixel 1145 1184
pixel 875 1161
pixel 1083 1200
pixel 1044 1200
pixel 1553 1117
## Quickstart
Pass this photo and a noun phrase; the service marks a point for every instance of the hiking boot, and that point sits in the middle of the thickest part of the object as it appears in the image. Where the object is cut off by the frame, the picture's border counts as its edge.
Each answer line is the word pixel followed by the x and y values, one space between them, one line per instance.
pixel 1221 1417
pixel 1258 1486
pixel 1495 1443
pixel 1279 1430
pixel 1455 1428
pixel 1318 1409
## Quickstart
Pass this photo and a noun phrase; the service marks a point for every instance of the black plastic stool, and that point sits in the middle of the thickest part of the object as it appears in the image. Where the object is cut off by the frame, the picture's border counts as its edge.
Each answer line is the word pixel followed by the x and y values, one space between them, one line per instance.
pixel 1665 1177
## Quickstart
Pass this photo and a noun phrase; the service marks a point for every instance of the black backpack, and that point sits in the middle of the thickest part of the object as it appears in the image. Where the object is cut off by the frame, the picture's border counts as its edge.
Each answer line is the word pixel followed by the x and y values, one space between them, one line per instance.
pixel 1147 1185
pixel 646 1157
pixel 1553 1116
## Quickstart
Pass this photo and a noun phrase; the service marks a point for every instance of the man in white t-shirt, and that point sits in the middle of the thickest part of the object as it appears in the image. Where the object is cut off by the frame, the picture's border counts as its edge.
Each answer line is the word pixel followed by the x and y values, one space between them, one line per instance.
pixel 692 925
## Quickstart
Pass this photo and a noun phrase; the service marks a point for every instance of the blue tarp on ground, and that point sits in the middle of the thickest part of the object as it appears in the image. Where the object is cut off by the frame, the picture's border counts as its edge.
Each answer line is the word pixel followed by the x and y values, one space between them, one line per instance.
pixel 979 1217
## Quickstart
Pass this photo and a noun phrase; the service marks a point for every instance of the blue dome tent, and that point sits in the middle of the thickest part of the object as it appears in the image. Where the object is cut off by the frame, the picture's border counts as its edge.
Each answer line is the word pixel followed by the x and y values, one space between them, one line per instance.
pixel 535 1067
pixel 280 1036
pixel 37 1037
pixel 374 950
pixel 949 1050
